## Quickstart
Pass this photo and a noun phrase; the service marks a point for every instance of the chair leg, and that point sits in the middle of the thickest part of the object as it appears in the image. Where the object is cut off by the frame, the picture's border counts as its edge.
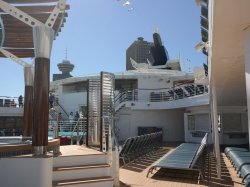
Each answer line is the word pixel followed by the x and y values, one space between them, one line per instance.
pixel 202 175
pixel 150 170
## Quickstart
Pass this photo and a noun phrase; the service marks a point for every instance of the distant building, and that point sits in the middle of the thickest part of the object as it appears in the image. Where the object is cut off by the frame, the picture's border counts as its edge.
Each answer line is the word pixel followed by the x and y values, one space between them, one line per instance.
pixel 139 51
pixel 65 67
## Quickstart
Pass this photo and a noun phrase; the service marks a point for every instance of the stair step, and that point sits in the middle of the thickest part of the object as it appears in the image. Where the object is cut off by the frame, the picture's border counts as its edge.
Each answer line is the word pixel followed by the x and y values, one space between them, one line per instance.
pixel 85 182
pixel 80 171
pixel 65 161
pixel 92 166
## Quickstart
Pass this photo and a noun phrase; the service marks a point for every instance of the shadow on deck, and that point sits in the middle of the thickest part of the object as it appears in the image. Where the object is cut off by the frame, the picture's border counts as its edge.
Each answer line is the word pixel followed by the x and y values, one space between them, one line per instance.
pixel 134 173
pixel 144 162
pixel 192 177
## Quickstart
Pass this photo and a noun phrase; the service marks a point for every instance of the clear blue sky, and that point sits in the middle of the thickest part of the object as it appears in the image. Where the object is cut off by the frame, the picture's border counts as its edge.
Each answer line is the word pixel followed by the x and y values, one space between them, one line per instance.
pixel 98 32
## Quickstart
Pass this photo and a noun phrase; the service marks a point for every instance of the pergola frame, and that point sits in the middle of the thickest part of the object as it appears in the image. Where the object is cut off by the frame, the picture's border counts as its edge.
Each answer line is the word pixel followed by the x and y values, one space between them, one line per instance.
pixel 43 36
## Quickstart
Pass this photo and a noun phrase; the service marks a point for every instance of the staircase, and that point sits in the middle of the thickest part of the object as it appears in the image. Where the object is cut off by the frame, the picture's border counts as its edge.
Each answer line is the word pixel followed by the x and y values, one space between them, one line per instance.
pixel 120 101
pixel 52 114
pixel 120 106
pixel 57 108
pixel 82 170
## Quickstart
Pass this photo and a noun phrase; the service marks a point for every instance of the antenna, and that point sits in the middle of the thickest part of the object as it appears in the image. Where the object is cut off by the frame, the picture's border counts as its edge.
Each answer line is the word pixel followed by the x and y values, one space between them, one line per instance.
pixel 188 65
pixel 156 30
pixel 180 58
pixel 66 53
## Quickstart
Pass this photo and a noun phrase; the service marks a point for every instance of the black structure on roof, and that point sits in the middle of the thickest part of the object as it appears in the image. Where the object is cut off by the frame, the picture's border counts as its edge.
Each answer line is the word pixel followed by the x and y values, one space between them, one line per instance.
pixel 159 52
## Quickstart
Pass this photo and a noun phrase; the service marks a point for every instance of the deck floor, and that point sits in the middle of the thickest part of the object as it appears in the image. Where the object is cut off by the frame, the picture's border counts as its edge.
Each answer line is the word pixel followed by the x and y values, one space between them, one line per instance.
pixel 73 150
pixel 134 174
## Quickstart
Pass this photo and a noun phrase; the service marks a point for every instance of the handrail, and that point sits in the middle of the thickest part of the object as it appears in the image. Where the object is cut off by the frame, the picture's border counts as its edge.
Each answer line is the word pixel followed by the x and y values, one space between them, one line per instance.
pixel 113 135
pixel 8 97
pixel 120 96
pixel 61 107
pixel 64 125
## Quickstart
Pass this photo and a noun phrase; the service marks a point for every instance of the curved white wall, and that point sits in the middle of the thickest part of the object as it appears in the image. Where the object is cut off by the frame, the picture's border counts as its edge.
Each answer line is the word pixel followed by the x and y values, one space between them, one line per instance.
pixel 26 172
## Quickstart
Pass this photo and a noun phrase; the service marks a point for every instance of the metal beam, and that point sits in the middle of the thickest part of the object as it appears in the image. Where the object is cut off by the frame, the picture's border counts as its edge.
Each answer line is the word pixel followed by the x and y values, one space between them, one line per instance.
pixel 61 6
pixel 18 14
pixel 29 20
pixel 14 58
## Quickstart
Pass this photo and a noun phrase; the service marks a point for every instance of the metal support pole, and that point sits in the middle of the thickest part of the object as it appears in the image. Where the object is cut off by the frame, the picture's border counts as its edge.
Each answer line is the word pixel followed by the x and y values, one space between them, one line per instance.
pixel 216 133
pixel 88 120
pixel 28 101
pixel 56 127
pixel 115 167
pixel 102 128
pixel 247 74
pixel 43 37
pixel 78 135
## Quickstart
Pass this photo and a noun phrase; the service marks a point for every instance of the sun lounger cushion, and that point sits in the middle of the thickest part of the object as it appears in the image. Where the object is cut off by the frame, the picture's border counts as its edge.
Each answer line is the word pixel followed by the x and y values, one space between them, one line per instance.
pixel 228 149
pixel 184 157
pixel 245 171
pixel 181 157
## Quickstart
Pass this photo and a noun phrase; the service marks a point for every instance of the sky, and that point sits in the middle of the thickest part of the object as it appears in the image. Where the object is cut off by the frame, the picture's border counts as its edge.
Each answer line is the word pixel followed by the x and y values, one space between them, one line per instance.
pixel 98 32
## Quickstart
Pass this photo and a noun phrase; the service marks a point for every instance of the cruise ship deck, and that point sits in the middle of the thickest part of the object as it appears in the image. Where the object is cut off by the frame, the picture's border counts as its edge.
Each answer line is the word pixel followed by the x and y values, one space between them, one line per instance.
pixel 141 108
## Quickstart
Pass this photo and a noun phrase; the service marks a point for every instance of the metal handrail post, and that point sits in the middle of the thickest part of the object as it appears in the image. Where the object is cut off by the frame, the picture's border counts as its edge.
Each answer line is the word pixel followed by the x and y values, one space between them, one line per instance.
pixel 78 136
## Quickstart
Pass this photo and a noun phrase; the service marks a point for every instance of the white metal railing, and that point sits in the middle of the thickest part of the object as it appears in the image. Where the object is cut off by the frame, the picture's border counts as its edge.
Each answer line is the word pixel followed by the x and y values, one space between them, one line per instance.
pixel 72 129
pixel 161 95
pixel 7 101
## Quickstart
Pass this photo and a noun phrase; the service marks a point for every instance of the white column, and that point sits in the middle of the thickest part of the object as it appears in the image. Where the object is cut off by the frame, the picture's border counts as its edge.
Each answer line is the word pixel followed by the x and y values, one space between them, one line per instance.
pixel 215 130
pixel 247 74
pixel 115 167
